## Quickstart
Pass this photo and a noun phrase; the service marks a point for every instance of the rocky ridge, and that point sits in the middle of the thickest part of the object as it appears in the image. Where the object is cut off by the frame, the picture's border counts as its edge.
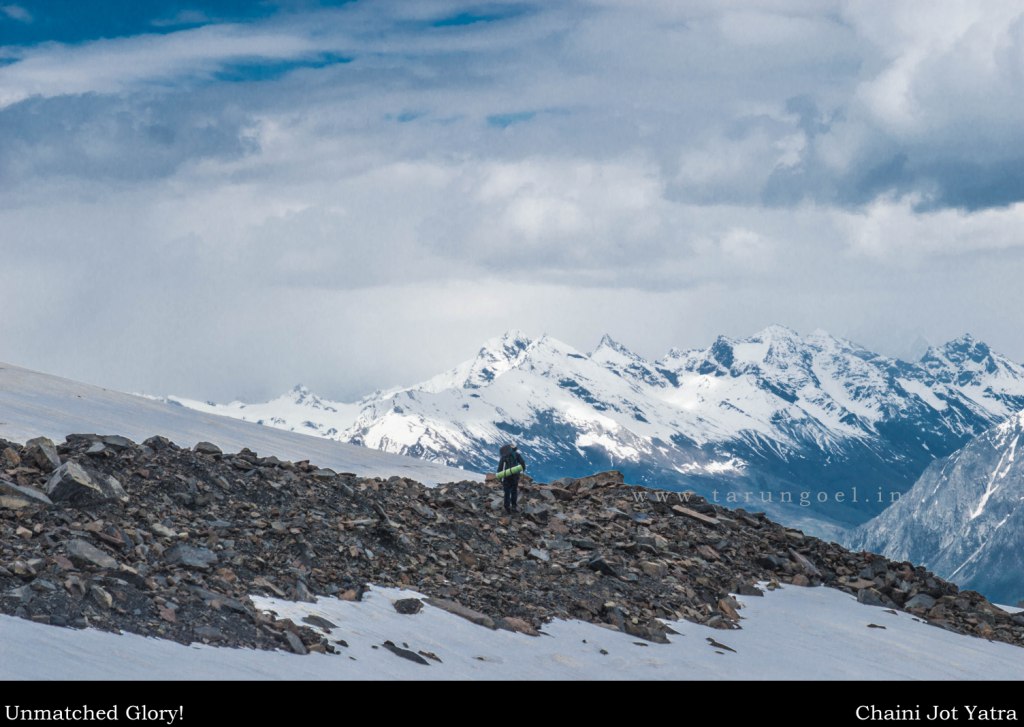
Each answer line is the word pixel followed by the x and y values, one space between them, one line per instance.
pixel 157 540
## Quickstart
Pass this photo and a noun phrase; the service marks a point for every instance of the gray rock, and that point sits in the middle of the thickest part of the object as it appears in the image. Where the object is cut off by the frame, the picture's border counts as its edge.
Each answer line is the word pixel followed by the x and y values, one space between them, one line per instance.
pixel 599 564
pixel 191 556
pixel 28 493
pixel 71 483
pixel 112 487
pixel 771 562
pixel 324 473
pixel 21 593
pixel 302 593
pixel 320 622
pixel 295 643
pixel 513 623
pixel 158 443
pixel 423 511
pixel 84 553
pixel 209 633
pixel 458 609
pixel 870 597
pixel 101 596
pixel 42 452
pixel 116 441
pixel 538 554
pixel 921 600
pixel 408 606
pixel 654 569
pixel 747 589
pixel 9 457
pixel 207 448
pixel 405 653
pixel 801 560
pixel 163 530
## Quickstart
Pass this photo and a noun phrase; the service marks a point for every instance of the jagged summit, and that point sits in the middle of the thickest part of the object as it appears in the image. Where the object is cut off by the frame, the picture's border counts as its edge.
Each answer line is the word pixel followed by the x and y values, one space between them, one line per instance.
pixel 776 331
pixel 610 344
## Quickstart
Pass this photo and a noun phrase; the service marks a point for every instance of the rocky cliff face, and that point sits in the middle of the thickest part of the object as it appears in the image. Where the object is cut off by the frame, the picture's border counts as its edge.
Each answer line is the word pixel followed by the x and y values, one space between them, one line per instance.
pixel 154 539
pixel 963 518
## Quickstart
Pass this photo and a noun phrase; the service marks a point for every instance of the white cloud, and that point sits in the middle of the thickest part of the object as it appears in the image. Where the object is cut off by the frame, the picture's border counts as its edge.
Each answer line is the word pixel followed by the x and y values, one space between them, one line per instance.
pixel 712 168
pixel 892 229
pixel 942 65
pixel 115 65
pixel 16 12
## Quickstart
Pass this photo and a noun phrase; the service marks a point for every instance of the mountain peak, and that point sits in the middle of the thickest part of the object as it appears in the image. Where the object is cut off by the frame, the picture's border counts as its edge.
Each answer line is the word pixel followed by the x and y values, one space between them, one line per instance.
pixel 776 331
pixel 507 346
pixel 959 351
pixel 609 343
pixel 497 356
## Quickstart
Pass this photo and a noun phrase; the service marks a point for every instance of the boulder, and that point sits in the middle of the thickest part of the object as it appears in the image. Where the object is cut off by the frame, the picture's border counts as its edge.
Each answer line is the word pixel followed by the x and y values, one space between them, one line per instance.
pixel 804 563
pixel 191 556
pixel 9 457
pixel 117 442
pixel 295 643
pixel 85 553
pixel 42 452
pixel 72 484
pixel 693 514
pixel 319 622
pixel 599 564
pixel 539 554
pixel 870 597
pixel 921 601
pixel 408 606
pixel 453 607
pixel 29 495
pixel 405 653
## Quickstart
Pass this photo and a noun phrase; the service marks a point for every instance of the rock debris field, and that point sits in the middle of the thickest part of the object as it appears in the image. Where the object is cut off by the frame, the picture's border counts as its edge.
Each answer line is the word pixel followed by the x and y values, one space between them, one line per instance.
pixel 157 540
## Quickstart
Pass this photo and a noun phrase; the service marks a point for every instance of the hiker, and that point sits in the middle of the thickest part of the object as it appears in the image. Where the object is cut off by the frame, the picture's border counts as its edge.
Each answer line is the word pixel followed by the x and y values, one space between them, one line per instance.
pixel 510 457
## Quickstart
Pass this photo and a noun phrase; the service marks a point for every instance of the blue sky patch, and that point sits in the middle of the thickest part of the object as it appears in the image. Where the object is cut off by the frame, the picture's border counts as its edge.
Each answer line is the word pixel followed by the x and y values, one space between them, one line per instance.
pixel 28 22
pixel 484 14
pixel 502 121
pixel 268 69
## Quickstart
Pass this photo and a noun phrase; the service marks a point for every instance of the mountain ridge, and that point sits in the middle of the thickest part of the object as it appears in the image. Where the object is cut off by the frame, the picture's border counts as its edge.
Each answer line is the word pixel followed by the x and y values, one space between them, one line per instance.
pixel 772 412
pixel 963 518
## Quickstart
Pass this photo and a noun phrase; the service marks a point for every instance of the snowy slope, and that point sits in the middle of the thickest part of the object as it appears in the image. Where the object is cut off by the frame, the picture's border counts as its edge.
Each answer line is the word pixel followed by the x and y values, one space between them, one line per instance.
pixel 776 412
pixel 964 518
pixel 782 638
pixel 299 410
pixel 34 404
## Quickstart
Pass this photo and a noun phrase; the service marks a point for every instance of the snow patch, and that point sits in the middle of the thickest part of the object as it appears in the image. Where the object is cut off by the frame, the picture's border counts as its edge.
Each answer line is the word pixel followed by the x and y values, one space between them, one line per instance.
pixel 792 633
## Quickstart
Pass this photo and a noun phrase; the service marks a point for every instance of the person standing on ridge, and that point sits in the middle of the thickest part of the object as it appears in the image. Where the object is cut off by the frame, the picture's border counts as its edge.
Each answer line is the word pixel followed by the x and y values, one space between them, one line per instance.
pixel 510 458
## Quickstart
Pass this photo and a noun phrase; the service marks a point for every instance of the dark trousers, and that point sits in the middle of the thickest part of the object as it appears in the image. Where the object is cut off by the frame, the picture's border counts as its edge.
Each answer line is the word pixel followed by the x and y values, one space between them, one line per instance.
pixel 511 486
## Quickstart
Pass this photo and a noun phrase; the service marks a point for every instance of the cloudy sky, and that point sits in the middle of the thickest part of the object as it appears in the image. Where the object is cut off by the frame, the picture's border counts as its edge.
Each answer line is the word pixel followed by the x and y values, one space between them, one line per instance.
pixel 221 199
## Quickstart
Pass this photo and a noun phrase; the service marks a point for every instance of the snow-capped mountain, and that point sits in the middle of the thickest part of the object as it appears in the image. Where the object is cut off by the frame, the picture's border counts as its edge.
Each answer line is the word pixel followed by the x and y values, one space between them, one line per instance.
pixel 964 518
pixel 34 404
pixel 832 427
pixel 298 411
